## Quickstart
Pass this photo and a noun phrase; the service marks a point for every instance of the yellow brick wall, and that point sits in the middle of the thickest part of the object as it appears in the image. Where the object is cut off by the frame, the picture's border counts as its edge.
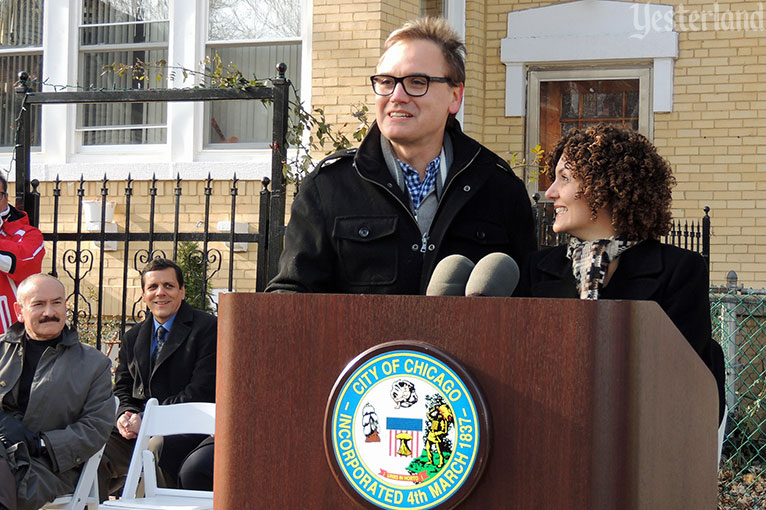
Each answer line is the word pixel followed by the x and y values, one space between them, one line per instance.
pixel 347 41
pixel 714 138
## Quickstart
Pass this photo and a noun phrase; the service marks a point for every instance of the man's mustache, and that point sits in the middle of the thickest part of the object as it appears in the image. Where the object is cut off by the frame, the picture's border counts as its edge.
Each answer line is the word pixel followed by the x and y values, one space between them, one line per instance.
pixel 49 319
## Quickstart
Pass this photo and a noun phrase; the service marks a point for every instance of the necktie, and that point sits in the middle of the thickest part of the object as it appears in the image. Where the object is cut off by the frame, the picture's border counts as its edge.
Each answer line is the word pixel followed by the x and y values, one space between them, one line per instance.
pixel 161 334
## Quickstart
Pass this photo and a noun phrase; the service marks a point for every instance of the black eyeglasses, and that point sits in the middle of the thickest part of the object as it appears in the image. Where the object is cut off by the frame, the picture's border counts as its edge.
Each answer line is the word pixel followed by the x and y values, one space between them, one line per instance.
pixel 415 85
pixel 3 194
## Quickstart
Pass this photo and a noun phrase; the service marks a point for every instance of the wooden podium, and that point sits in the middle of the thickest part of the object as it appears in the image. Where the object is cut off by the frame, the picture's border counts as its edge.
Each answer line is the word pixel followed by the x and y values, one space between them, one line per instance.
pixel 594 404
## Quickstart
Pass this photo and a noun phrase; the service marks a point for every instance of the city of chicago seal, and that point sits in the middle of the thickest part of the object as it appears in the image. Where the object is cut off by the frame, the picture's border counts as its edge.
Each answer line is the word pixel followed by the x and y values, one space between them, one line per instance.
pixel 406 427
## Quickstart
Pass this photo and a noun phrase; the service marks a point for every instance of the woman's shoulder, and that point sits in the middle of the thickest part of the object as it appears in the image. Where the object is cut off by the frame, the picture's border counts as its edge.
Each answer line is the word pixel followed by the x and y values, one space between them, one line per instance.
pixel 671 253
pixel 655 257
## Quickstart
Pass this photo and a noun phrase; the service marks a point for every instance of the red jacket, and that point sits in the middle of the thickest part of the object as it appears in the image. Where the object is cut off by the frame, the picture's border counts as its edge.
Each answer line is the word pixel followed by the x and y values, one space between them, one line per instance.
pixel 21 255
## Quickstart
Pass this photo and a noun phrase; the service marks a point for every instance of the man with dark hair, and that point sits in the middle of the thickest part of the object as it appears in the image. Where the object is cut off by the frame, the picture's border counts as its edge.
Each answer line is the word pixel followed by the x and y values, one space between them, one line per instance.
pixel 169 356
pixel 377 220
pixel 56 404
pixel 21 254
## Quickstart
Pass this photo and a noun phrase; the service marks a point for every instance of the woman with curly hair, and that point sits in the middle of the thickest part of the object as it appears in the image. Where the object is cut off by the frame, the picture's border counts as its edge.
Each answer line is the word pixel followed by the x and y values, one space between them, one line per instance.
pixel 612 194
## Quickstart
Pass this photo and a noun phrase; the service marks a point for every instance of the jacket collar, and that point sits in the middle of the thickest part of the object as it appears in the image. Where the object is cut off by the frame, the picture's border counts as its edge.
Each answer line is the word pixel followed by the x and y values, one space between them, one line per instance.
pixel 16 332
pixel 371 163
pixel 13 214
pixel 635 278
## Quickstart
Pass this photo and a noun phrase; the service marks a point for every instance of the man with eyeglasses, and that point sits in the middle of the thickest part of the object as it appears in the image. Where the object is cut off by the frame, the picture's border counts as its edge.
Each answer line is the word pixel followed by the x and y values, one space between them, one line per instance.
pixel 377 220
pixel 21 254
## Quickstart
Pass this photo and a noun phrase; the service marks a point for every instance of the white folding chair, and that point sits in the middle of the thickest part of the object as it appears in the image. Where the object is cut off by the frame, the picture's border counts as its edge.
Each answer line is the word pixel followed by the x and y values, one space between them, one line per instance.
pixel 85 493
pixel 168 420
pixel 722 433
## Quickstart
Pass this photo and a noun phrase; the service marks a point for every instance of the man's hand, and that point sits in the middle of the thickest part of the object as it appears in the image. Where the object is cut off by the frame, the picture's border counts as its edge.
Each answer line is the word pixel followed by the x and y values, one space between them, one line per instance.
pixel 12 431
pixel 129 424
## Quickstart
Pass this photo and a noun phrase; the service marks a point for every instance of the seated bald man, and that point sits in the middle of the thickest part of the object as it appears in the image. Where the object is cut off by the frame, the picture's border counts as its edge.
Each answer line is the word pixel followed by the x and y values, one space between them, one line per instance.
pixel 56 404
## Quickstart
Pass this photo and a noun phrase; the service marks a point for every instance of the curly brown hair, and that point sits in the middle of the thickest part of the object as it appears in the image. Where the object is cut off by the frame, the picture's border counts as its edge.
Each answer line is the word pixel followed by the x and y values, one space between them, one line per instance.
pixel 621 170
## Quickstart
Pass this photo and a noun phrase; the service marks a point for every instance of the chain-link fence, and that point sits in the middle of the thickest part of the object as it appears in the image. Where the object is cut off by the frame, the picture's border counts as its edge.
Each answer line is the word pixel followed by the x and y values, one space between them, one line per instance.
pixel 739 324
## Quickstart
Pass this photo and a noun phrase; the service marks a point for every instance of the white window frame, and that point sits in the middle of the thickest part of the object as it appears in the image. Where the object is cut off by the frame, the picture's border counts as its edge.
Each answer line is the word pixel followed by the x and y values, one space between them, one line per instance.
pixel 60 154
pixel 589 32
pixel 536 77
pixel 455 14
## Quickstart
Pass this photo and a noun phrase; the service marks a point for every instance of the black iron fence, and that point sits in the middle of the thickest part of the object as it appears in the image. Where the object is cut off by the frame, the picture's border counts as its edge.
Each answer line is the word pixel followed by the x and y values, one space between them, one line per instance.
pixel 78 246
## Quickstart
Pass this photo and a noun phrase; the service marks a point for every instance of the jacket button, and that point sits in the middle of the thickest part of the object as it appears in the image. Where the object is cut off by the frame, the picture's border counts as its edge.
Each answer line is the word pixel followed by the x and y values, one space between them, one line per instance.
pixel 78 460
pixel 431 247
pixel 466 188
pixel 2 384
pixel 390 185
pixel 364 232
pixel 415 247
pixel 480 235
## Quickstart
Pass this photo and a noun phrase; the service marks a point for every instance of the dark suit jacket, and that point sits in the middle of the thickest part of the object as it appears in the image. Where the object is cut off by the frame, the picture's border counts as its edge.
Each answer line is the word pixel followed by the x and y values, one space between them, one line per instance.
pixel 675 278
pixel 185 368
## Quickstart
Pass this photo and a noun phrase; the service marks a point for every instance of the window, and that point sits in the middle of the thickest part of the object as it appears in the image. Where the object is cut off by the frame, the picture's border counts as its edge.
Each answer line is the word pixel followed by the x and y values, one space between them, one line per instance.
pixel 563 100
pixel 129 32
pixel 21 41
pixel 254 35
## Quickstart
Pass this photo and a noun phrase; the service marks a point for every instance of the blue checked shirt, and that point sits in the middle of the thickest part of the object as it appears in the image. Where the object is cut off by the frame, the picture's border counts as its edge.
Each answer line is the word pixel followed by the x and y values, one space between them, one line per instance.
pixel 419 190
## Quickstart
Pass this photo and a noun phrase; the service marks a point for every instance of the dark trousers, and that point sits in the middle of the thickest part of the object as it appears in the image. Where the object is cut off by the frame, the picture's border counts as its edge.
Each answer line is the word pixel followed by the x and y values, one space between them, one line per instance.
pixel 7 486
pixel 196 472
pixel 169 451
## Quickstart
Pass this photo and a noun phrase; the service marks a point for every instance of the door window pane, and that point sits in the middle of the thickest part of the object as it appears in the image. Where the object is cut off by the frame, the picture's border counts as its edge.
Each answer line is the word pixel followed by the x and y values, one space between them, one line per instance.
pixel 128 32
pixel 565 105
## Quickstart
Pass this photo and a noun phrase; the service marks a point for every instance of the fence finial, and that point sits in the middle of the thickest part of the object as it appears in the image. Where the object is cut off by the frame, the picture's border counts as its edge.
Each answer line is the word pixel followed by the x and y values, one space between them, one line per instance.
pixel 731 280
pixel 22 84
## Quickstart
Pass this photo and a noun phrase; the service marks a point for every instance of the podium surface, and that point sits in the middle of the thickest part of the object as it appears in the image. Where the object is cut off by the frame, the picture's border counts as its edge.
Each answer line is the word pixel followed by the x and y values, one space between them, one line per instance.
pixel 593 404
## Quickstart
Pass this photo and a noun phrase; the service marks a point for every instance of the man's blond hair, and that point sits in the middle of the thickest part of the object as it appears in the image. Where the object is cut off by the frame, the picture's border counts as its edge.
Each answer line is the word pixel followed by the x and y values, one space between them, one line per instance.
pixel 437 30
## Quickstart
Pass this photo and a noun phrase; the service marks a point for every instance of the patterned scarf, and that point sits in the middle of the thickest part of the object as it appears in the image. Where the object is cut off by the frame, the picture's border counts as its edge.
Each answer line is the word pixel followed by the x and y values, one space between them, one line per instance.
pixel 590 260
